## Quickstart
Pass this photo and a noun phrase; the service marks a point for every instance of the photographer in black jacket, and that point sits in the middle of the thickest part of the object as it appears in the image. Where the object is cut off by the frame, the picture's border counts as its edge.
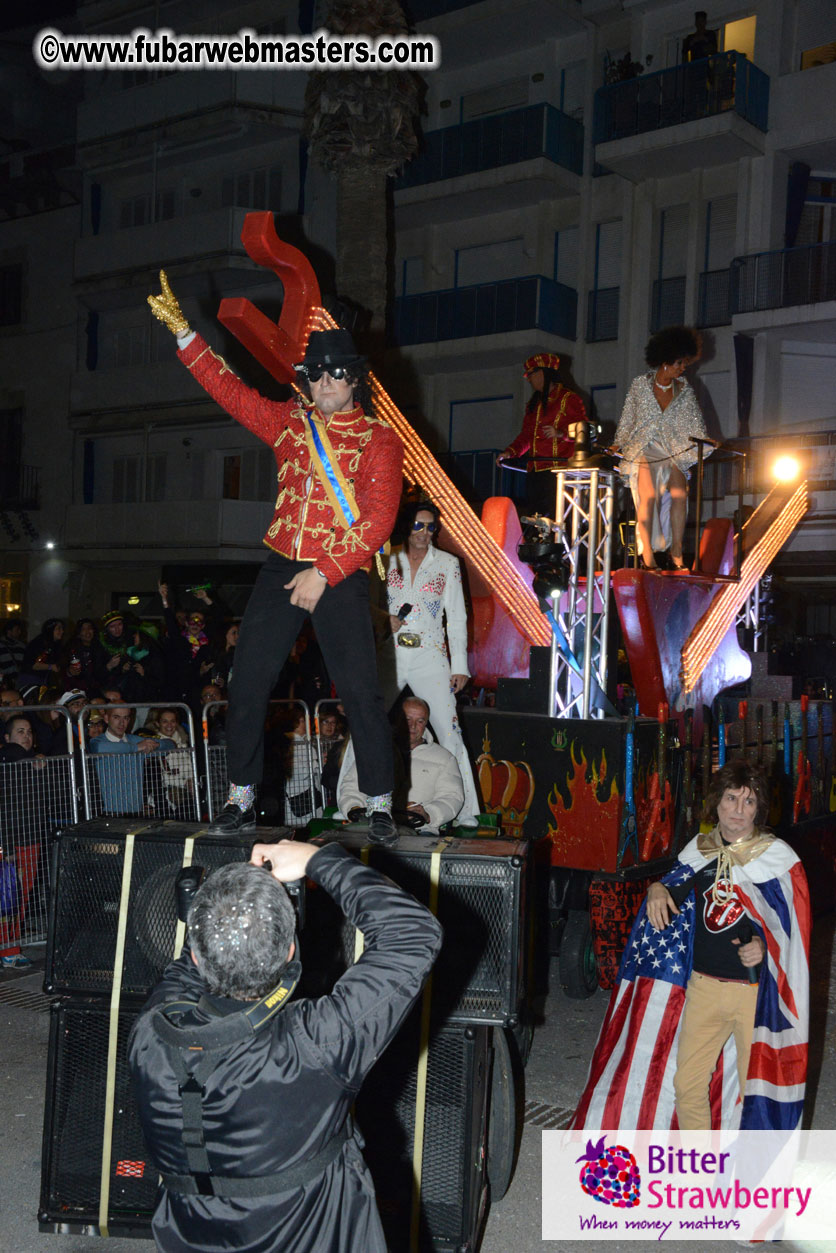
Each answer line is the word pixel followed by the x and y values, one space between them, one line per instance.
pixel 244 1094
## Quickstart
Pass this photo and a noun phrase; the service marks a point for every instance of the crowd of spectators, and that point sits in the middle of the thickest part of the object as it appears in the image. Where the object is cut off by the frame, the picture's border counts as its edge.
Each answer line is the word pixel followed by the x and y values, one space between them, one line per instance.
pixel 116 687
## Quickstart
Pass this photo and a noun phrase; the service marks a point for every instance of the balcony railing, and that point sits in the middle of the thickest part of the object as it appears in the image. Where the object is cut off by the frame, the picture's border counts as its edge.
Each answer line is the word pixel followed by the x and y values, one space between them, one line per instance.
pixel 684 93
pixel 789 276
pixel 667 305
pixel 517 304
pixel 475 472
pixel 539 130
pixel 714 307
pixel 20 487
pixel 602 315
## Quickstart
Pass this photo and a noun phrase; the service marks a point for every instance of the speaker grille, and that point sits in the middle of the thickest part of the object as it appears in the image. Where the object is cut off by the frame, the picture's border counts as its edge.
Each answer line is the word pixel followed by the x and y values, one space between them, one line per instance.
pixel 478 976
pixel 74 1123
pixel 88 873
pixel 454 1132
pixel 453 1155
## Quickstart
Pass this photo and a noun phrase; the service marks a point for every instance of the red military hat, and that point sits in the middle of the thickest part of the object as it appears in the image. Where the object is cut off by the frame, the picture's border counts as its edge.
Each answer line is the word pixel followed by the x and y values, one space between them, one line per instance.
pixel 541 361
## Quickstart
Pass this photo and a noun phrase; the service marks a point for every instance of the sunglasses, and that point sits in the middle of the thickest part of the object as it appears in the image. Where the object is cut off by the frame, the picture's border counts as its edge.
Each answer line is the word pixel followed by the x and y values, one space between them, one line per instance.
pixel 313 373
pixel 431 527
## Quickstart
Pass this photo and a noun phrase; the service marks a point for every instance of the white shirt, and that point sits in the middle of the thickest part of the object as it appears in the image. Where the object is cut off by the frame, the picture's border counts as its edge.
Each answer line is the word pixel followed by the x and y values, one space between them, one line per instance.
pixel 436 596
pixel 435 783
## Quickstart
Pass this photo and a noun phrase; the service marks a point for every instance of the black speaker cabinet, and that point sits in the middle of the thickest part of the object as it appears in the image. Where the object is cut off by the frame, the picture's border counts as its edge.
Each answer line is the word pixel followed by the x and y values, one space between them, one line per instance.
pixel 454 1118
pixel 482 894
pixel 102 865
pixel 95 1174
pixel 96 1177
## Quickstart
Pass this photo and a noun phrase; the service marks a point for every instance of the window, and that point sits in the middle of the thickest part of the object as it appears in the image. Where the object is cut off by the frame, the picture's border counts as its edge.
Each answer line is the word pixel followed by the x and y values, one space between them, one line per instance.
pixel 818 217
pixel 714 308
pixel 155 477
pixel 231 489
pixel 136 210
pixel 491 263
pixel 604 406
pixel 739 36
pixel 126 480
pixel 602 312
pixel 486 423
pixel 496 99
pixel 412 276
pixel 572 86
pixel 720 232
pixel 479 429
pixel 566 256
pixel 252 189
pixel 130 346
pixel 11 295
pixel 248 475
pixel 668 305
pixel 11 442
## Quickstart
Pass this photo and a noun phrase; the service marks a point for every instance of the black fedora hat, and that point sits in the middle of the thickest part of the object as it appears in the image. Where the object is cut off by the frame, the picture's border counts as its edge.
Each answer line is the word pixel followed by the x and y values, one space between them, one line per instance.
pixel 331 348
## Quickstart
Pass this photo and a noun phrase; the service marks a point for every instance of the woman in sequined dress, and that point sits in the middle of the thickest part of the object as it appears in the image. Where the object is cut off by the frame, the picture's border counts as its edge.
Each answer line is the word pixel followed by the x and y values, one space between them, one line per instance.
pixel 658 424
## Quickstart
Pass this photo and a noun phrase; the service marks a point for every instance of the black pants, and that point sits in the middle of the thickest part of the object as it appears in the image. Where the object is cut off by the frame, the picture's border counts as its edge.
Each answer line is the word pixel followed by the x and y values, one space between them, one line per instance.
pixel 343 628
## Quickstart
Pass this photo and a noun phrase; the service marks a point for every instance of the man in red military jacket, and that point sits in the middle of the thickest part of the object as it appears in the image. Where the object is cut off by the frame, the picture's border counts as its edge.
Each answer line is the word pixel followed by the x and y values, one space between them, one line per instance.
pixel 339 484
pixel 549 418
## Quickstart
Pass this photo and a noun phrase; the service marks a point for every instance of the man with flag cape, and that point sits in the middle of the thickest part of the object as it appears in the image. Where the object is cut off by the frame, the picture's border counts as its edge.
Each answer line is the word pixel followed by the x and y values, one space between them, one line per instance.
pixel 736 900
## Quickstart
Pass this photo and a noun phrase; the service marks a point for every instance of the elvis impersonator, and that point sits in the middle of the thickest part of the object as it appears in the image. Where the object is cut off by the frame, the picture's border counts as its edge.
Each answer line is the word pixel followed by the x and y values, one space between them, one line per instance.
pixel 244 1094
pixel 427 581
pixel 339 485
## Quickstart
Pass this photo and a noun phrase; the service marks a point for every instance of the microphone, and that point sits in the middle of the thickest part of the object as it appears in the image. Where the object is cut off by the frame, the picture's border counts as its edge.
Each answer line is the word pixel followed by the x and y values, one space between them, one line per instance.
pixel 404 612
pixel 753 973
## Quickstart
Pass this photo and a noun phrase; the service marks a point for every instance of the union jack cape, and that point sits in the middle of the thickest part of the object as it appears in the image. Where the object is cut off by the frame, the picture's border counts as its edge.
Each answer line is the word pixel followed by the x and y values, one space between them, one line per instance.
pixel 630 1082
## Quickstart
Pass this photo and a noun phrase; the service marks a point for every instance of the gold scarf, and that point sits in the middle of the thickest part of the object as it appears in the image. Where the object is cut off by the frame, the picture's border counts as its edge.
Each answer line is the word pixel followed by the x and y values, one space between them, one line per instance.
pixel 739 853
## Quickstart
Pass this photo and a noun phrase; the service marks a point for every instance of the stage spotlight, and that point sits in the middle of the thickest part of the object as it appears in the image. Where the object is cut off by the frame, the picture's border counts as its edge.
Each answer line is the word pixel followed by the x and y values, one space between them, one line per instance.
pixel 786 469
pixel 539 549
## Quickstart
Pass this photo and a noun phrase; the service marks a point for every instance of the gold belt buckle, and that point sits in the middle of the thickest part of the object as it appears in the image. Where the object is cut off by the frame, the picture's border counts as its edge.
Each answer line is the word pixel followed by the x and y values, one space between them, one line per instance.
pixel 409 639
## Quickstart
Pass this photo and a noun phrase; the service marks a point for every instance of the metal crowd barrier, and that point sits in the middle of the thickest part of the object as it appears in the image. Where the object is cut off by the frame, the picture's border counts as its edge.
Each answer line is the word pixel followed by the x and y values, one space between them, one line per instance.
pixel 157 783
pixel 325 743
pixel 37 797
pixel 291 793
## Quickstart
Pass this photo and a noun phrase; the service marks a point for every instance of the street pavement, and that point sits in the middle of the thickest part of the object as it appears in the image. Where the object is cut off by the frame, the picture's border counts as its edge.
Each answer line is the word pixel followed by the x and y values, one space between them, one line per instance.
pixel 563 1042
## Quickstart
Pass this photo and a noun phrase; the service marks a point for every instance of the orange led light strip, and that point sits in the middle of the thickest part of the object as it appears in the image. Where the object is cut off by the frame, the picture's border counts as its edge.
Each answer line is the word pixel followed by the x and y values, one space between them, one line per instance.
pixel 705 638
pixel 482 549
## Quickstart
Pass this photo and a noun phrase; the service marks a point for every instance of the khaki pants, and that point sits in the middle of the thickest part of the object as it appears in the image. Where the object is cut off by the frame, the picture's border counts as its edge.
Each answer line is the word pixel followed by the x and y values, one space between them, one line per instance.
pixel 714 1010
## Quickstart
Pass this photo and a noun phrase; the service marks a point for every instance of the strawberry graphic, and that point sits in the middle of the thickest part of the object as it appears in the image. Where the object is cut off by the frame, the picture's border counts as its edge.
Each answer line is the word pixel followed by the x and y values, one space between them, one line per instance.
pixel 610 1175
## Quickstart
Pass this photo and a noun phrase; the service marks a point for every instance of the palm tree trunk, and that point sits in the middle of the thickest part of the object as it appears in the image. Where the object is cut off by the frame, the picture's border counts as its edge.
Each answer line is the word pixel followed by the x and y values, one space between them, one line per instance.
pixel 362 245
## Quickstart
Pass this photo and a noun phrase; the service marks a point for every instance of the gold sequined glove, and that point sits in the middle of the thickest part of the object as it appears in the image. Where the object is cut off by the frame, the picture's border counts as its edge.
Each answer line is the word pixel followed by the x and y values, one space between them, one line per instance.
pixel 165 308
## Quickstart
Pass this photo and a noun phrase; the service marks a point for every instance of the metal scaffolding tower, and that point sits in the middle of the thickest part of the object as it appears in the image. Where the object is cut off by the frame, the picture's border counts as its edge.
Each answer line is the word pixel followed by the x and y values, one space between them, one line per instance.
pixel 584 510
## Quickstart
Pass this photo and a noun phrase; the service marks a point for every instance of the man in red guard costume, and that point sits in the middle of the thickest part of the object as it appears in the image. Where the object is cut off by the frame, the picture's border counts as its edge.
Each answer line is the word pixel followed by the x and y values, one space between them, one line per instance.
pixel 548 428
pixel 339 484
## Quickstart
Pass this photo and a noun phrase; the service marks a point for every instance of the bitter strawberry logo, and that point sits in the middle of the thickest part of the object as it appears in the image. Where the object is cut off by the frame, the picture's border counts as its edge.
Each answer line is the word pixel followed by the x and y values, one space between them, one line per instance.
pixel 610 1175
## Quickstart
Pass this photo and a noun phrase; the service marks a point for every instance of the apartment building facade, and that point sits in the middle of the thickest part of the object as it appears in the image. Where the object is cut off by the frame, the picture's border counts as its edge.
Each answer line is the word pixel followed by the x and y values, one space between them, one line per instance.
pixel 578 186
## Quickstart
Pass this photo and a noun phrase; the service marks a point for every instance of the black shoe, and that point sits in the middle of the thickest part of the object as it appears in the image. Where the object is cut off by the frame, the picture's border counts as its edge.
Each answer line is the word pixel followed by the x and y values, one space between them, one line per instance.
pixel 382 829
pixel 232 820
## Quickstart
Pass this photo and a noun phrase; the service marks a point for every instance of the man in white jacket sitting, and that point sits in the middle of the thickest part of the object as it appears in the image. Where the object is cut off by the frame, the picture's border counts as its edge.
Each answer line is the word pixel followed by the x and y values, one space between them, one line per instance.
pixel 433 790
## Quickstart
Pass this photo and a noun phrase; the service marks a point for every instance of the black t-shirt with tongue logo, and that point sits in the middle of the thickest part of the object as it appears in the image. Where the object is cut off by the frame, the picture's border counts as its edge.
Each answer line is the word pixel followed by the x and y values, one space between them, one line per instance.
pixel 715 926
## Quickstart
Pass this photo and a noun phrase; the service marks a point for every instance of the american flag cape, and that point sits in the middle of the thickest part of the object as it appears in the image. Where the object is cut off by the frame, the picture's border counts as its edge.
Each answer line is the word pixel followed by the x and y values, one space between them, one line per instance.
pixel 630 1082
